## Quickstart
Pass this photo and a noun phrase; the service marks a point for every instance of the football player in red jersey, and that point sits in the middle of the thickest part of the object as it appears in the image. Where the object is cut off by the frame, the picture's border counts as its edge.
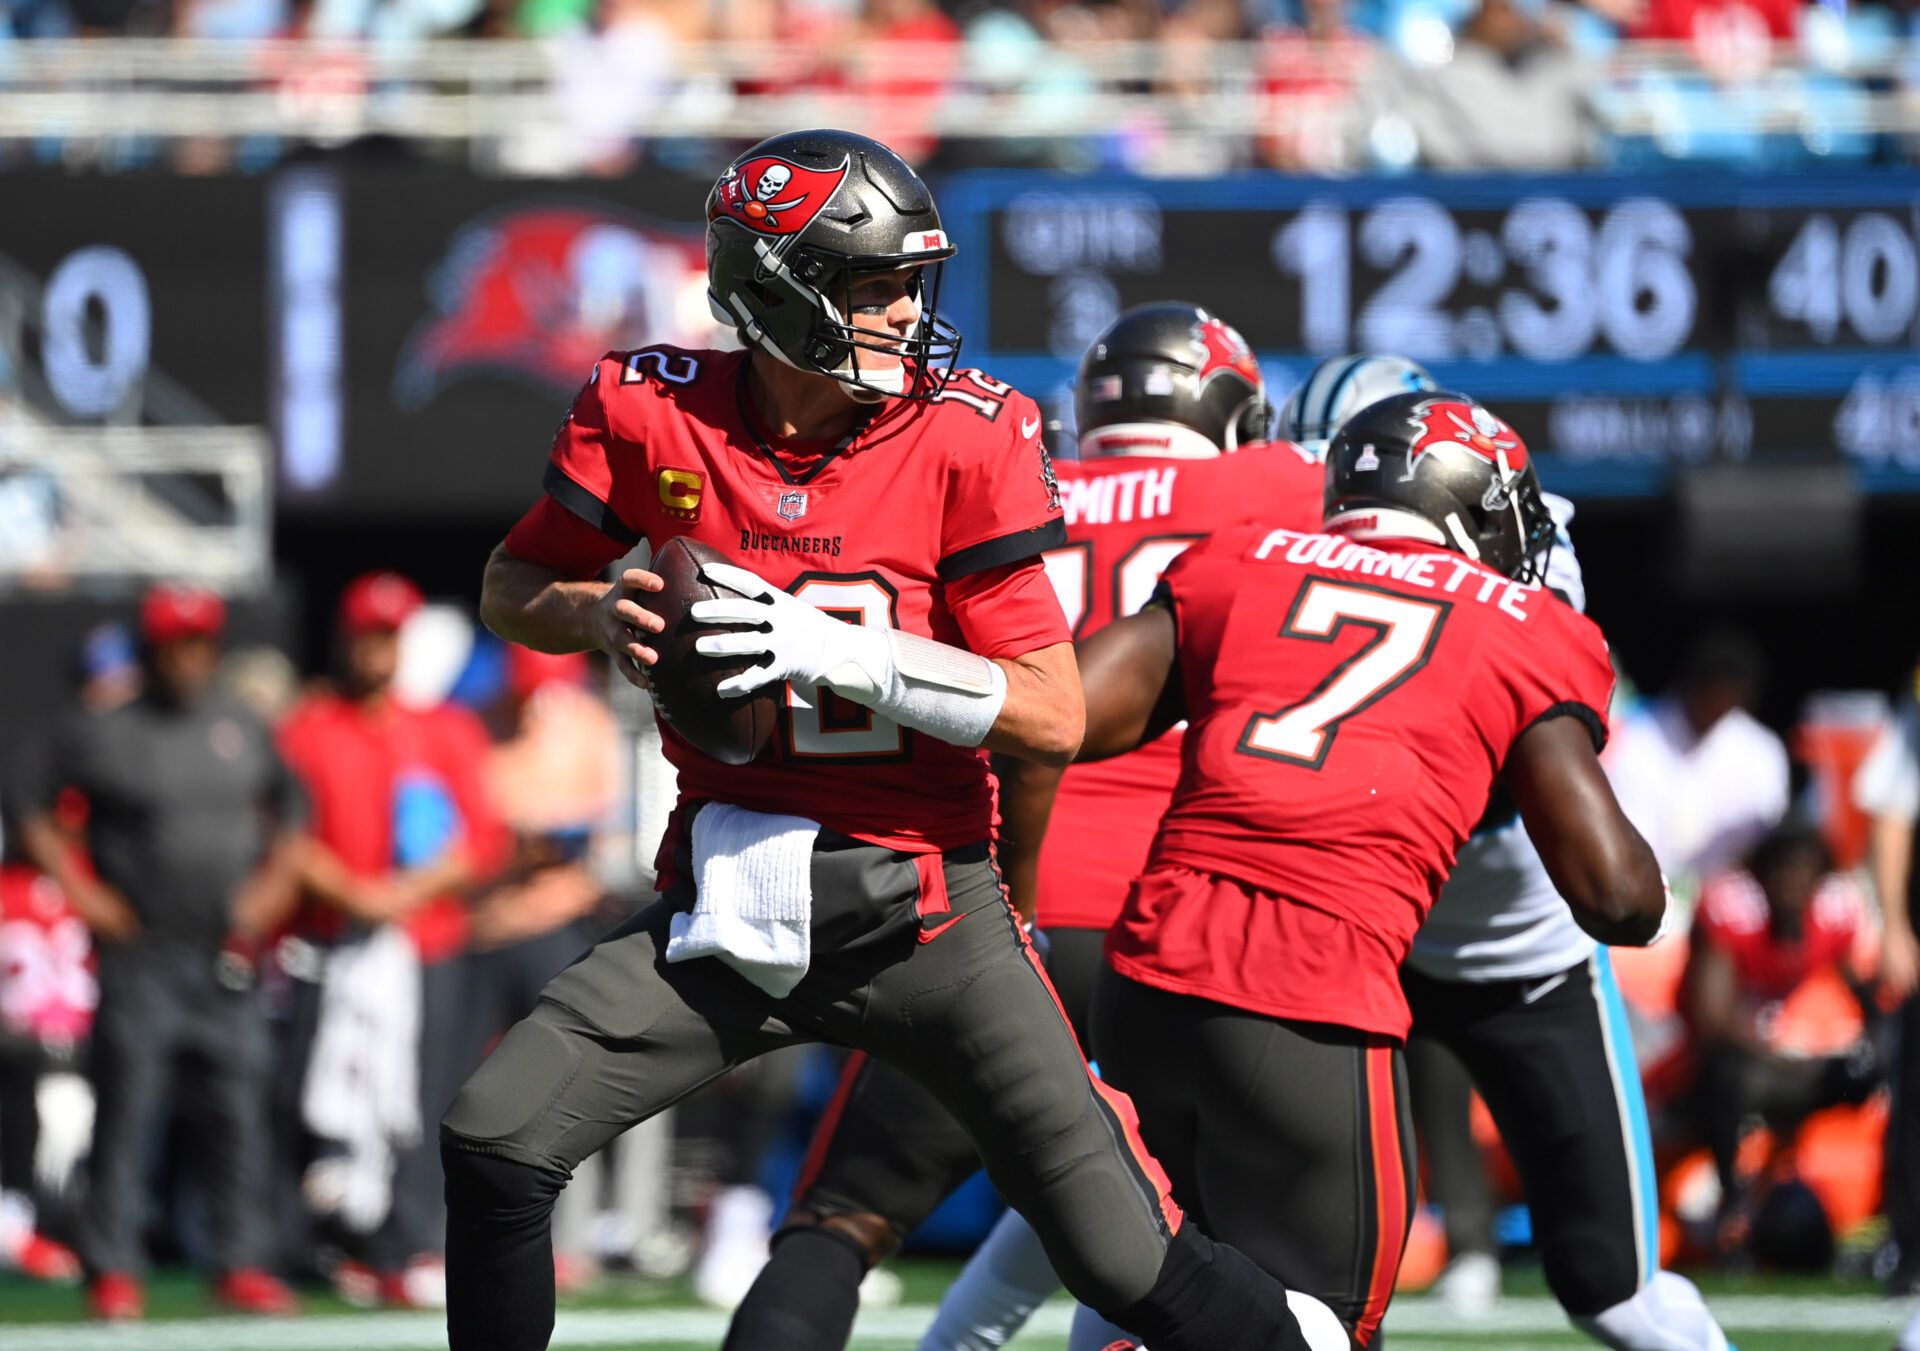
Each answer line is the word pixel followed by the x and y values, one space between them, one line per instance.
pixel 846 469
pixel 1352 698
pixel 1160 396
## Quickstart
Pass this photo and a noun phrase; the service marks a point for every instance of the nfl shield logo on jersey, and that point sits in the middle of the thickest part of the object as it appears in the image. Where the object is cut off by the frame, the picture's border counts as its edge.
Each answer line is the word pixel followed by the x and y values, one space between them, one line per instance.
pixel 792 506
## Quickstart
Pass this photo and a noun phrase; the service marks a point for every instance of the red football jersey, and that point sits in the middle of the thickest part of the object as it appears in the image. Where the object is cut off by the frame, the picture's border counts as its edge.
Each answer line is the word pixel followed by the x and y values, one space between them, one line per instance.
pixel 884 527
pixel 1128 517
pixel 1733 918
pixel 47 986
pixel 365 771
pixel 1351 707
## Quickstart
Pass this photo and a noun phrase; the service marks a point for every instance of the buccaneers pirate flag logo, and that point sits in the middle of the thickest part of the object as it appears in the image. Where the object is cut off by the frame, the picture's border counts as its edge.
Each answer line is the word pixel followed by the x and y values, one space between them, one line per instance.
pixel 1222 349
pixel 1446 422
pixel 776 196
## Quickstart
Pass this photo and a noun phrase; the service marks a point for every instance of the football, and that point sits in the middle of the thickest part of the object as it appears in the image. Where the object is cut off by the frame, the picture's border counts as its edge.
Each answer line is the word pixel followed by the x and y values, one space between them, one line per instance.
pixel 732 731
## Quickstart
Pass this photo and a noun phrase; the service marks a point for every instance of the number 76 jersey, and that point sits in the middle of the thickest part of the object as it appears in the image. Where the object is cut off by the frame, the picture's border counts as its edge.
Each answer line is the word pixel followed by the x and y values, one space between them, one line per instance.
pixel 1350 707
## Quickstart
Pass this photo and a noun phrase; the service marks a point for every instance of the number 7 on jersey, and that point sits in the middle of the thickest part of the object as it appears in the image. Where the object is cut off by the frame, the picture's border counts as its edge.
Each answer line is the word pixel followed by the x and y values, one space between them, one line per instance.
pixel 1405 632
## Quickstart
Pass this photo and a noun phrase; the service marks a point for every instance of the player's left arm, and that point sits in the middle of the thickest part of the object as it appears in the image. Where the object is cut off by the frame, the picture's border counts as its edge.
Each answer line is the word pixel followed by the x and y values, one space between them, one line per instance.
pixel 1130 670
pixel 1044 714
pixel 1597 860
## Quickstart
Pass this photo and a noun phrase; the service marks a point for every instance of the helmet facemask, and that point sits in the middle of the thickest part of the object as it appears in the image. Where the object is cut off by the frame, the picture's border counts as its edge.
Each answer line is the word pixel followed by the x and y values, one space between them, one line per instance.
pixel 802 315
pixel 1252 422
pixel 1518 492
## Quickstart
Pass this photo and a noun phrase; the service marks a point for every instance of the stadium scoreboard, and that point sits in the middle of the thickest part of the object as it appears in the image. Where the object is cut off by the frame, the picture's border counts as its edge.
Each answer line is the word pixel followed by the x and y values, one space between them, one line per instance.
pixel 410 338
pixel 1625 324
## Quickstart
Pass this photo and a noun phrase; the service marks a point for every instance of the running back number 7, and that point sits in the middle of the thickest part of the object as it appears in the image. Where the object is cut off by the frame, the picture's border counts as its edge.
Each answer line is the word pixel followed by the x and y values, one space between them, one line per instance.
pixel 1405 631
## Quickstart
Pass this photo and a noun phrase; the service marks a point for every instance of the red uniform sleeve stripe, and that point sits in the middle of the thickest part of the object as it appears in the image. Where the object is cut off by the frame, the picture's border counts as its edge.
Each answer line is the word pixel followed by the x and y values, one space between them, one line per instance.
pixel 829 1124
pixel 582 503
pixel 1390 1188
pixel 991 553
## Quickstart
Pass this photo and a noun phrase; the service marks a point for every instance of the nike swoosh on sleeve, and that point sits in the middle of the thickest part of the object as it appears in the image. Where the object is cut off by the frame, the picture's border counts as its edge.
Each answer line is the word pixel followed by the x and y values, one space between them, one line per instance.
pixel 1027 429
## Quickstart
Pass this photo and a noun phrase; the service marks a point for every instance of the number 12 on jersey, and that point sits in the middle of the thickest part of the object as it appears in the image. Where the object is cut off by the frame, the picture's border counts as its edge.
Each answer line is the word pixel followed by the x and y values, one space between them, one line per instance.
pixel 1405 631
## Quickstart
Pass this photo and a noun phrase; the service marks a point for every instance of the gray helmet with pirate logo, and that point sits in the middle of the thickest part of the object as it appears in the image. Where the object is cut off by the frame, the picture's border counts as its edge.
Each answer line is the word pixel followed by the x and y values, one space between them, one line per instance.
pixel 1436 466
pixel 790 224
pixel 1169 379
pixel 1338 388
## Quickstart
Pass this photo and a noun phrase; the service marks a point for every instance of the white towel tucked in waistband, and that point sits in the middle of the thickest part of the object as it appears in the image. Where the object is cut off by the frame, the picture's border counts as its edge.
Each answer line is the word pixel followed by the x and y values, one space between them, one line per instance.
pixel 754 905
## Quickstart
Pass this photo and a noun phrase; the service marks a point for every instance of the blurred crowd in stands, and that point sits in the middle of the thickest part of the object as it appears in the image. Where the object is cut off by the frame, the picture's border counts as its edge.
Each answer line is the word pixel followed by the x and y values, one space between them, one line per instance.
pixel 255 929
pixel 1333 85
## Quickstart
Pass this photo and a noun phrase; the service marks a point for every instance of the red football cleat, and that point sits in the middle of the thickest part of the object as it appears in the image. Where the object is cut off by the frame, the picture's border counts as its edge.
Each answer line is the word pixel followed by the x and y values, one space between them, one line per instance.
pixel 116 1297
pixel 250 1290
pixel 41 1259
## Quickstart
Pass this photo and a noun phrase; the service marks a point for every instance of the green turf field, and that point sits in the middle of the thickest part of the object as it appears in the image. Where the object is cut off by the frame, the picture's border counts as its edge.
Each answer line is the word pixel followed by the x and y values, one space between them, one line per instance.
pixel 1761 1314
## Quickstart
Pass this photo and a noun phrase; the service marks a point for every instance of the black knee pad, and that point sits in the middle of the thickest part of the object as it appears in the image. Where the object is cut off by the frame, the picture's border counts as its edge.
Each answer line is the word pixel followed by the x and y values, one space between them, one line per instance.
pixel 1211 1297
pixel 482 1181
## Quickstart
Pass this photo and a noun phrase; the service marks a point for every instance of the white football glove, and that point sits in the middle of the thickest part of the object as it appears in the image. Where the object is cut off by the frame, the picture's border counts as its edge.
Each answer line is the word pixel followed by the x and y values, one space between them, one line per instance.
pixel 801 643
pixel 932 687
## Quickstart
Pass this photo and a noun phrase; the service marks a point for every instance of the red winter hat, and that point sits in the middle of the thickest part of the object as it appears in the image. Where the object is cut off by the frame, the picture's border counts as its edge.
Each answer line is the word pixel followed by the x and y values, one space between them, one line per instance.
pixel 377 602
pixel 170 612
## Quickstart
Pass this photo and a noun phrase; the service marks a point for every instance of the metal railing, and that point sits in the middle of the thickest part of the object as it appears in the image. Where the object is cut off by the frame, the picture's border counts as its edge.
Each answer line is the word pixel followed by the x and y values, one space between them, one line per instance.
pixel 113 506
pixel 474 90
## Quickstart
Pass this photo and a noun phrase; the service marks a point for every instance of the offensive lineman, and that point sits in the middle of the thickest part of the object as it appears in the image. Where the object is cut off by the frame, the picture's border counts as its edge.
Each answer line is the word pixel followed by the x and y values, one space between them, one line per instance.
pixel 1352 698
pixel 1160 396
pixel 839 458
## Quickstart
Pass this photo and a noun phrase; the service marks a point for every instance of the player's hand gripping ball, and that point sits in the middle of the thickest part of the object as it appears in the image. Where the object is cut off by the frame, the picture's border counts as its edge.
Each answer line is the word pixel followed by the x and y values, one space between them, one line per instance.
pixel 686 681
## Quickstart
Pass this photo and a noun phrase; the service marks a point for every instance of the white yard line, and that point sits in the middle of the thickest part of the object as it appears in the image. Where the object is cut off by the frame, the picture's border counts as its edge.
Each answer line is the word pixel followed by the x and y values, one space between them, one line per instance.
pixel 1410 1318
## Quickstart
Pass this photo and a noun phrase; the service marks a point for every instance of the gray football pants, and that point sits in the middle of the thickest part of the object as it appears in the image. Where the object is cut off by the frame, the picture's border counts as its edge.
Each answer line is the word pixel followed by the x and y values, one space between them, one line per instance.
pixel 168 1033
pixel 921 964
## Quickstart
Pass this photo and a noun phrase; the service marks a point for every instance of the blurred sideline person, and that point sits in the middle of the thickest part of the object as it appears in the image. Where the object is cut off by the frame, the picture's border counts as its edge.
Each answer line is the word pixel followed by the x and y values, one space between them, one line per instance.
pixel 1173 424
pixel 403 825
pixel 1760 932
pixel 1697 773
pixel 47 988
pixel 191 829
pixel 552 780
pixel 47 998
pixel 1325 793
pixel 1887 788
pixel 840 887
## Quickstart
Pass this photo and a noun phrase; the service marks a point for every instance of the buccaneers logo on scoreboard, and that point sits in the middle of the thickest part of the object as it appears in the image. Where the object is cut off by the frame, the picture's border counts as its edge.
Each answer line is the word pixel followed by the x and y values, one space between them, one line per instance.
pixel 540 293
